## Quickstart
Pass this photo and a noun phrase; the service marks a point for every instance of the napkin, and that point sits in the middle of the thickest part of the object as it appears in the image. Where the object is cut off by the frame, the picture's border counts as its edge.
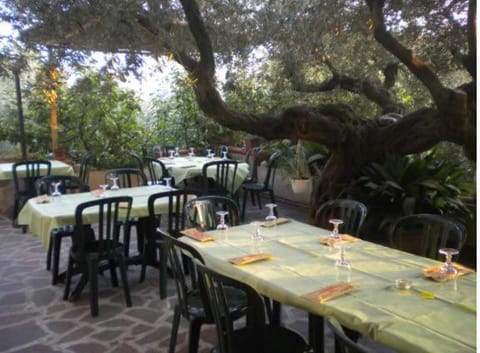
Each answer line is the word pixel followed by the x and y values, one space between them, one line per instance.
pixel 247 259
pixel 42 199
pixel 330 292
pixel 197 235
pixel 434 273
pixel 278 221
pixel 344 238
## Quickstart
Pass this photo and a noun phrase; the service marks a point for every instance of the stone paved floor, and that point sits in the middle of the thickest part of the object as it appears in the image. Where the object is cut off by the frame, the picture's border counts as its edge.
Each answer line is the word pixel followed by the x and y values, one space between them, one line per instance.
pixel 35 319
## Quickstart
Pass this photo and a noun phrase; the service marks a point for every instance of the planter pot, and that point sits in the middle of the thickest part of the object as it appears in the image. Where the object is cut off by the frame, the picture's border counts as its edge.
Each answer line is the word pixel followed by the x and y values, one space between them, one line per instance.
pixel 301 186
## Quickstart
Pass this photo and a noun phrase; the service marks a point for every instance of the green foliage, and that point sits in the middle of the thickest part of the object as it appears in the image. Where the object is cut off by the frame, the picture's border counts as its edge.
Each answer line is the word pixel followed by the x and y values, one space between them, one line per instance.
pixel 414 184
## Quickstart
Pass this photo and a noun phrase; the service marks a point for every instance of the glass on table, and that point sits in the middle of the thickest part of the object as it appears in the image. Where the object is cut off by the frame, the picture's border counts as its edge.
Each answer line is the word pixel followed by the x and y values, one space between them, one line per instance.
pixel 170 154
pixel 343 267
pixel 177 152
pixel 271 212
pixel 55 189
pixel 168 182
pixel 114 179
pixel 448 268
pixel 335 234
pixel 222 225
pixel 103 187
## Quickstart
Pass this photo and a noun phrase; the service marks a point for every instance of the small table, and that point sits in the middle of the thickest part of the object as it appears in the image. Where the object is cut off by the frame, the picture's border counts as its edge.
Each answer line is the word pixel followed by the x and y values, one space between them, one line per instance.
pixel 406 321
pixel 6 182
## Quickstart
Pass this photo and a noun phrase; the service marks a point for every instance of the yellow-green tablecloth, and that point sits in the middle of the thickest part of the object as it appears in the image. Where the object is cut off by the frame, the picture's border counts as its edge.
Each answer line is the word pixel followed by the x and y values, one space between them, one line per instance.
pixel 60 211
pixel 402 320
pixel 182 168
pixel 57 168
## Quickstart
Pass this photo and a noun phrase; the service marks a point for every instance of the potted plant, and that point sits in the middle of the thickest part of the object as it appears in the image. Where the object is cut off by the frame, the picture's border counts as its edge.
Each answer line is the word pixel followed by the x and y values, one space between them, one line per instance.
pixel 296 168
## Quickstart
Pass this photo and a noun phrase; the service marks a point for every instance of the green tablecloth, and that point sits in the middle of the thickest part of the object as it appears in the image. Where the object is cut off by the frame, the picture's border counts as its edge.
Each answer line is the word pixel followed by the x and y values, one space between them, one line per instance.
pixel 57 168
pixel 182 168
pixel 402 320
pixel 60 211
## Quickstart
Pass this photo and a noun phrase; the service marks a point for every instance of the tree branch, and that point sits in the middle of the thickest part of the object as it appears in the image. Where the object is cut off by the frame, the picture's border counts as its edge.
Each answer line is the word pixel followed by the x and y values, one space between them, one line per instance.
pixel 471 62
pixel 422 71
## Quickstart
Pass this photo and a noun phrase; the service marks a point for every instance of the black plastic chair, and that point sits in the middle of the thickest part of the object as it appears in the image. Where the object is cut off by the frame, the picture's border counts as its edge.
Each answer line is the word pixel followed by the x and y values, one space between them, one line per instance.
pixel 424 234
pixel 351 212
pixel 191 301
pixel 256 335
pixel 256 189
pixel 137 160
pixel 316 163
pixel 152 238
pixel 219 178
pixel 85 166
pixel 343 344
pixel 201 211
pixel 127 177
pixel 90 248
pixel 24 176
pixel 251 158
pixel 157 171
pixel 68 184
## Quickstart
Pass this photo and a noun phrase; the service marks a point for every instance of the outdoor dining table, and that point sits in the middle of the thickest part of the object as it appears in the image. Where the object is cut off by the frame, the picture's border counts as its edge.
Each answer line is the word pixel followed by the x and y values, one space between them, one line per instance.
pixel 429 317
pixel 6 182
pixel 42 218
pixel 182 168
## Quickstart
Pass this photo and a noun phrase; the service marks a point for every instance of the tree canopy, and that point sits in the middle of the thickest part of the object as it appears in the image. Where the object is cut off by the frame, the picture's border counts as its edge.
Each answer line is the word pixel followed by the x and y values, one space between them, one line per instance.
pixel 413 61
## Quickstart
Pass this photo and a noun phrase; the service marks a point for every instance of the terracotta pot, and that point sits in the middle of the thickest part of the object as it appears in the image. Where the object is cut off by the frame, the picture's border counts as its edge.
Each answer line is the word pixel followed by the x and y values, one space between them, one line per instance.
pixel 301 186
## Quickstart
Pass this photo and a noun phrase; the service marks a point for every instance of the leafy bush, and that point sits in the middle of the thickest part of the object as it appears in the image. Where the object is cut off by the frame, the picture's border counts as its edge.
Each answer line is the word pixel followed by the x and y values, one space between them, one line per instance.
pixel 406 185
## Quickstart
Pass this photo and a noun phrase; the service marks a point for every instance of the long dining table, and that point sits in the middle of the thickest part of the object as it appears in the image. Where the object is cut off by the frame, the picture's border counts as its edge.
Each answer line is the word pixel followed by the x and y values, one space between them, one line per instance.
pixel 431 316
pixel 182 168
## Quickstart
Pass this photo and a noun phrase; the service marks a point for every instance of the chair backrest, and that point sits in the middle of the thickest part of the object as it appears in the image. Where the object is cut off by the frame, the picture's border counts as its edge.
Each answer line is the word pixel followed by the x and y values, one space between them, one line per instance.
pixel 111 214
pixel 271 170
pixel 157 171
pixel 251 158
pixel 175 250
pixel 69 184
pixel 424 234
pixel 315 163
pixel 215 288
pixel 26 173
pixel 127 177
pixel 219 177
pixel 343 344
pixel 85 165
pixel 175 201
pixel 351 212
pixel 201 211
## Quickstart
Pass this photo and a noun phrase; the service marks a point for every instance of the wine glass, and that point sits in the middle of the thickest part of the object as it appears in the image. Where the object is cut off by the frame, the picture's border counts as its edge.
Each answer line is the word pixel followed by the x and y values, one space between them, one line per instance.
pixel 343 267
pixel 56 189
pixel 177 152
pixel 448 268
pixel 271 213
pixel 224 153
pixel 192 151
pixel 209 153
pixel 257 234
pixel 170 154
pixel 334 234
pixel 222 225
pixel 168 182
pixel 114 179
pixel 104 189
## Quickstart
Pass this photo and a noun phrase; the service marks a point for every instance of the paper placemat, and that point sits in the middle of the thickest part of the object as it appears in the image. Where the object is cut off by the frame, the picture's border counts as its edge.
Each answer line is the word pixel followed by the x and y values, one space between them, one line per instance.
pixel 330 292
pixel 247 259
pixel 276 222
pixel 42 199
pixel 123 204
pixel 344 238
pixel 197 235
pixel 434 273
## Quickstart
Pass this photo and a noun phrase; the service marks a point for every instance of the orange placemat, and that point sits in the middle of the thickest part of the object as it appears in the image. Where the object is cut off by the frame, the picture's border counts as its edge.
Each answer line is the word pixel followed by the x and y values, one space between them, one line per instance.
pixel 97 192
pixel 344 238
pixel 248 259
pixel 197 235
pixel 42 199
pixel 276 222
pixel 434 273
pixel 330 292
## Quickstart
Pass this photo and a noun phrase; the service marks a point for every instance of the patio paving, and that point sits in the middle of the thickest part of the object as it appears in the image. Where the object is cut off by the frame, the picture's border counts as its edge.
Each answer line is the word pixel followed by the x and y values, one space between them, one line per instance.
pixel 35 319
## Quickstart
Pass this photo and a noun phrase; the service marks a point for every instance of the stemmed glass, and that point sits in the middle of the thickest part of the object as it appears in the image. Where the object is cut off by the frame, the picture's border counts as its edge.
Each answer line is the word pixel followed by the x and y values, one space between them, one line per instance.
pixel 343 268
pixel 225 153
pixel 168 182
pixel 177 152
pixel 191 154
pixel 334 234
pixel 271 214
pixel 170 154
pixel 222 225
pixel 114 179
pixel 448 268
pixel 257 234
pixel 104 189
pixel 209 153
pixel 56 189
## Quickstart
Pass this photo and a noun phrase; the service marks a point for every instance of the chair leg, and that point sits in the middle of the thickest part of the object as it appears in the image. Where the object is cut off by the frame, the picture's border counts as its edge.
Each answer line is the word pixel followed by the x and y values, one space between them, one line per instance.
pixel 126 239
pixel 259 201
pixel 56 240
pixel 194 335
pixel 175 324
pixel 162 272
pixel 68 278
pixel 123 274
pixel 113 272
pixel 49 253
pixel 92 262
pixel 244 203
